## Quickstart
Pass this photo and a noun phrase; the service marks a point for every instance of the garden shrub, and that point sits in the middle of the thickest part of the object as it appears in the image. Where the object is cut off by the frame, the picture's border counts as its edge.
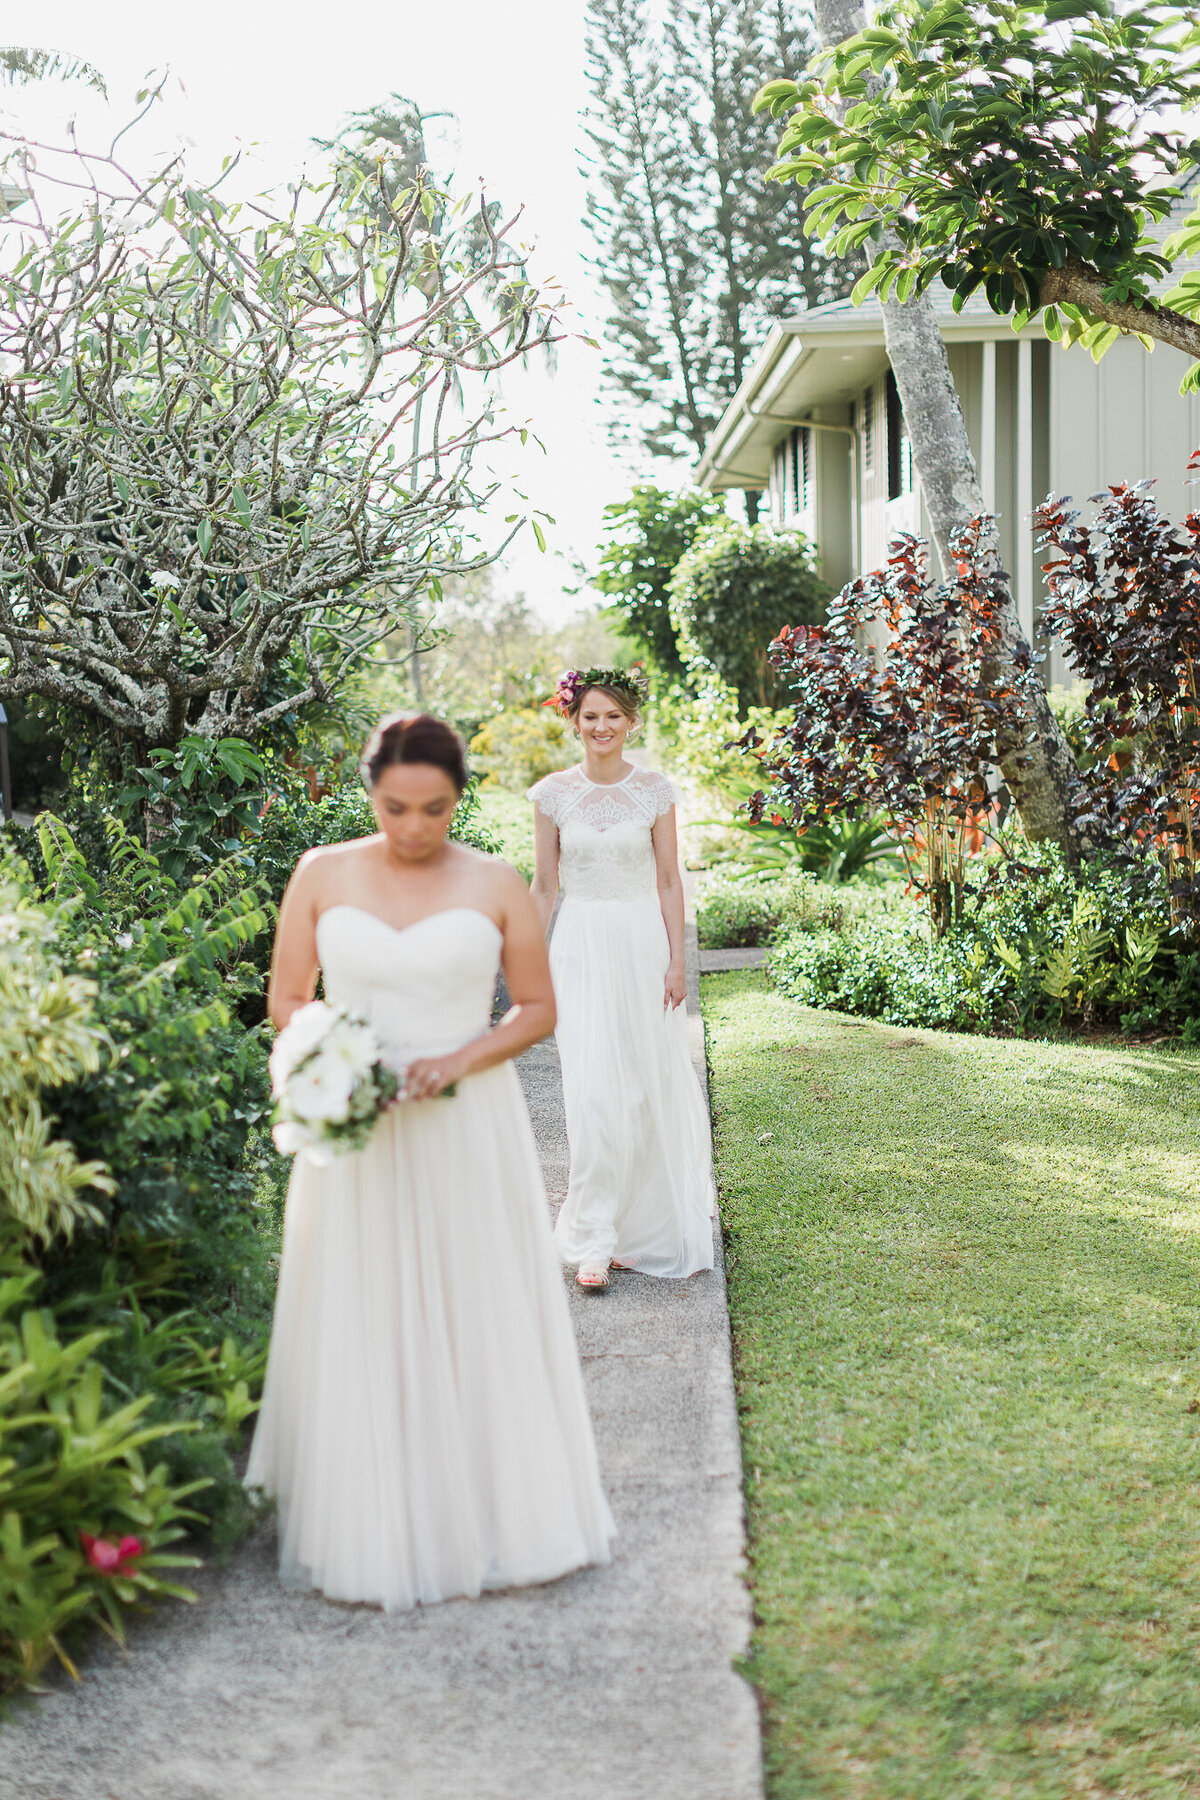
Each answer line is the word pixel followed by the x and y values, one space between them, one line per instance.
pixel 124 997
pixel 738 912
pixel 647 535
pixel 1124 605
pixel 48 1038
pixel 515 749
pixel 1041 946
pixel 698 734
pixel 911 740
pixel 742 905
pixel 734 590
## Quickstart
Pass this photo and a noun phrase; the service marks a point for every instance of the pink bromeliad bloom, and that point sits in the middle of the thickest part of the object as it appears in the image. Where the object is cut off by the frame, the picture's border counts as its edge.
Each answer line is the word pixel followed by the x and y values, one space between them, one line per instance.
pixel 110 1558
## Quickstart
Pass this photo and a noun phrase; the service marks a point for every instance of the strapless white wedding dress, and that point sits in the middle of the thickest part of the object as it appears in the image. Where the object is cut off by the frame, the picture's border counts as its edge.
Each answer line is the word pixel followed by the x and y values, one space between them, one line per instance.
pixel 641 1188
pixel 424 1428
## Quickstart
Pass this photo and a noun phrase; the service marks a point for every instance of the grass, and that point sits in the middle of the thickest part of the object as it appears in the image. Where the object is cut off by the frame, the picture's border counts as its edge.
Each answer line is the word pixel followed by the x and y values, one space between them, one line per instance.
pixel 510 816
pixel 963 1279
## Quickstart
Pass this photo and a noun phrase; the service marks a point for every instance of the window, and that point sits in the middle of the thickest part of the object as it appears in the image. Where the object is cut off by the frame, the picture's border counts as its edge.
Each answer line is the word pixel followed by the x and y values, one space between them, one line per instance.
pixel 798 472
pixel 866 409
pixel 899 445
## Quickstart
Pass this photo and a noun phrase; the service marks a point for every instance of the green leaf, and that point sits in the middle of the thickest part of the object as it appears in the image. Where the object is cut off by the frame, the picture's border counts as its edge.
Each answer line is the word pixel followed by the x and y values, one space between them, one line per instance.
pixel 204 536
pixel 242 504
pixel 537 532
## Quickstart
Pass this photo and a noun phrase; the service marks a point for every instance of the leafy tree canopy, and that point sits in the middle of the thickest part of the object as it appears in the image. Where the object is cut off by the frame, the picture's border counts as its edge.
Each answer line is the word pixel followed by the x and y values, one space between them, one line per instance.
pixel 647 535
pixel 1025 149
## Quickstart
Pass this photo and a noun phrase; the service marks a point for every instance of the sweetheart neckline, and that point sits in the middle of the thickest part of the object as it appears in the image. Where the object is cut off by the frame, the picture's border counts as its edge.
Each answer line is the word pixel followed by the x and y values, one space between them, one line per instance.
pixel 401 930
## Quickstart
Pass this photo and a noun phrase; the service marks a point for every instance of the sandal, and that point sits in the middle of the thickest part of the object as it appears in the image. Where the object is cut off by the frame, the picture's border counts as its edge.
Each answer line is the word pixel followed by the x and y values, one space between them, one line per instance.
pixel 592 1276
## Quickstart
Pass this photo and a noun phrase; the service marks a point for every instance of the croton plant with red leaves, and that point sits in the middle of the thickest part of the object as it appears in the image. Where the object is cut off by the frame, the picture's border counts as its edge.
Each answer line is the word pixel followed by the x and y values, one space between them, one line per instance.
pixel 1125 604
pixel 908 730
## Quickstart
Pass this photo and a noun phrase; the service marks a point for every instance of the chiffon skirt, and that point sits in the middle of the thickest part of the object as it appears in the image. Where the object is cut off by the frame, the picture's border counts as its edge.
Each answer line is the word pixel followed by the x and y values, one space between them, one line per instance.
pixel 641 1187
pixel 424 1428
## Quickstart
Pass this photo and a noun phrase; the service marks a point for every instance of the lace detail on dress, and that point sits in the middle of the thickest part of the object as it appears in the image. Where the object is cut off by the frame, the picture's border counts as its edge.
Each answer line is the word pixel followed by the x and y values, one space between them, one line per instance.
pixel 642 797
pixel 604 842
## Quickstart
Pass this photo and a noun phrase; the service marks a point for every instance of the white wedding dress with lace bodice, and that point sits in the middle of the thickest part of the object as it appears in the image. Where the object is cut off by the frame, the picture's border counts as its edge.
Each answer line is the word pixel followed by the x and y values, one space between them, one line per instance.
pixel 423 1427
pixel 641 1189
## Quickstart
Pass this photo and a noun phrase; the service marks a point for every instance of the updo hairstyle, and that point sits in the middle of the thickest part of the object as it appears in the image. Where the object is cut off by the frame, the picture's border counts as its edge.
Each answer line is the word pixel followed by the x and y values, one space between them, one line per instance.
pixel 619 697
pixel 411 737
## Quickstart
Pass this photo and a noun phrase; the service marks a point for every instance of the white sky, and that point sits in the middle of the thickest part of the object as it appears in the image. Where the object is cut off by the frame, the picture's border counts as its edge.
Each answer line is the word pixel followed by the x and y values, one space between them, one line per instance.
pixel 268 76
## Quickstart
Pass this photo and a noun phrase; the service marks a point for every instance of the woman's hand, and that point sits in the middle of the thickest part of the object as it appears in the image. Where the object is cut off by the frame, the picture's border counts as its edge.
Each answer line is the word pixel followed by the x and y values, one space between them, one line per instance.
pixel 674 987
pixel 428 1076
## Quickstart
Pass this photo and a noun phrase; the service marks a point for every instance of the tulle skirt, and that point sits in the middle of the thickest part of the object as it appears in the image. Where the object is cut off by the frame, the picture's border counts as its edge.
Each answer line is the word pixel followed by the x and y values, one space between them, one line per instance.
pixel 423 1426
pixel 641 1189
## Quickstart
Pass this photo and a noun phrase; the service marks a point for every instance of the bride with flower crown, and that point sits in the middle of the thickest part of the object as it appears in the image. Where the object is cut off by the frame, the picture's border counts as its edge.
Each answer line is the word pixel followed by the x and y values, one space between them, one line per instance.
pixel 640 1194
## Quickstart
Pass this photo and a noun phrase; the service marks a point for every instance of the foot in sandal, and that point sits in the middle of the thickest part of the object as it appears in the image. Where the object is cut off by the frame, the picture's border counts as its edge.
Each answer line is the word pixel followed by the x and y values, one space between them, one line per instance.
pixel 592 1275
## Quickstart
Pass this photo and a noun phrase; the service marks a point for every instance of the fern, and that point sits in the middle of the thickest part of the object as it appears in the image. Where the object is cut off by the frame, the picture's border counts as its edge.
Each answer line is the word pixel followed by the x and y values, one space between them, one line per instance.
pixel 49 1037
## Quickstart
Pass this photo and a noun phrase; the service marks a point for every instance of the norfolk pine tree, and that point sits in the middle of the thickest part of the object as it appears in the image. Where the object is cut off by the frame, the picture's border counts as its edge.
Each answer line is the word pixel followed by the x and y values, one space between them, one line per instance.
pixel 697 251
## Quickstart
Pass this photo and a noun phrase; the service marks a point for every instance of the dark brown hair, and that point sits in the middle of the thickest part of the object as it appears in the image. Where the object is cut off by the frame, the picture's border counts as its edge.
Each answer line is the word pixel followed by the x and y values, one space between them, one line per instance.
pixel 410 737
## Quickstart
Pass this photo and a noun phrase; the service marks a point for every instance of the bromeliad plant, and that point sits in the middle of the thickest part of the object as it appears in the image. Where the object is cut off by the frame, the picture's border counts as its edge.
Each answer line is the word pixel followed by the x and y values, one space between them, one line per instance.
pixel 85 1524
pixel 913 734
pixel 1125 603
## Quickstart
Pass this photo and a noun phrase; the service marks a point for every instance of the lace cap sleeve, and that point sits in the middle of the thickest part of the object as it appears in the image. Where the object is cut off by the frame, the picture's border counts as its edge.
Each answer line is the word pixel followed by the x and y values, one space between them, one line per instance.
pixel 661 793
pixel 547 795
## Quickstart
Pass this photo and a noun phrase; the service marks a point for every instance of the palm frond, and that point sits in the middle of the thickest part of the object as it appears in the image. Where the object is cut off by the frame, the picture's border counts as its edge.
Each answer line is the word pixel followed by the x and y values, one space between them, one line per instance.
pixel 19 65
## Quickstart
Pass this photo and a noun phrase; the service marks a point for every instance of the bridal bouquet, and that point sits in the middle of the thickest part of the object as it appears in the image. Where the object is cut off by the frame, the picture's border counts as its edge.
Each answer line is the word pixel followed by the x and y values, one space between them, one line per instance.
pixel 330 1080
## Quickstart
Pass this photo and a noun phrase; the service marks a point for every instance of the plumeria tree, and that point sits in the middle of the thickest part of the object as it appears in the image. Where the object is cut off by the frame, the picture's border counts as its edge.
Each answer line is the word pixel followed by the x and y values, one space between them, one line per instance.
pixel 237 438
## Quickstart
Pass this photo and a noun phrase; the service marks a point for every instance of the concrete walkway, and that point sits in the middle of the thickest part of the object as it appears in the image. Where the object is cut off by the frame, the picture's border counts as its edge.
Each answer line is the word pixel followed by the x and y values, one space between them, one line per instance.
pixel 614 1684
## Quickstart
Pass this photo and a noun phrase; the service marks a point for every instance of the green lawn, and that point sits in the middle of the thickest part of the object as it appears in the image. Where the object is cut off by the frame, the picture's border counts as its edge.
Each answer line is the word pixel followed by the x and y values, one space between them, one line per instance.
pixel 963 1277
pixel 510 816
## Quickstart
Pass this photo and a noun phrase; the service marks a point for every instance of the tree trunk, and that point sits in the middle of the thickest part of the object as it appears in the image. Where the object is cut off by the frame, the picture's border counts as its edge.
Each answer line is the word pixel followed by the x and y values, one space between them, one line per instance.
pixel 752 498
pixel 1038 764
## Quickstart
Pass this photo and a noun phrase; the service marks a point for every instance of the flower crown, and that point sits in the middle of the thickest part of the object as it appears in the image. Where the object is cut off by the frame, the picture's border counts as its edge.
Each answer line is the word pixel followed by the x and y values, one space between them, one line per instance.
pixel 576 682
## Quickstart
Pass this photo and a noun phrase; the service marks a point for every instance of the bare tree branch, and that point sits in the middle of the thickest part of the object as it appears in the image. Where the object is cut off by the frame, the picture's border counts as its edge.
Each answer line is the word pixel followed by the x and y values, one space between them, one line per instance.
pixel 235 445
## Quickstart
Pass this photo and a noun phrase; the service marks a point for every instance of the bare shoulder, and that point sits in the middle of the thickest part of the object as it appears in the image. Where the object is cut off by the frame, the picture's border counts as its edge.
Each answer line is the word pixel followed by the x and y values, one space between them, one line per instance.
pixel 326 860
pixel 492 872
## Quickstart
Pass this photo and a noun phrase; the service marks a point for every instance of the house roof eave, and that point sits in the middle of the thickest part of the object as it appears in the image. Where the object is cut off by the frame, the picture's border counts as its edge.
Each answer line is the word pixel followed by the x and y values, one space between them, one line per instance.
pixel 806 338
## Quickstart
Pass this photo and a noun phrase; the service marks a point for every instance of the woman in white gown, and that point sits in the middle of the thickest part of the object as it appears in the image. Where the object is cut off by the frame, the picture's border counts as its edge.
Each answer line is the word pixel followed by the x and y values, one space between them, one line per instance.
pixel 641 1192
pixel 424 1428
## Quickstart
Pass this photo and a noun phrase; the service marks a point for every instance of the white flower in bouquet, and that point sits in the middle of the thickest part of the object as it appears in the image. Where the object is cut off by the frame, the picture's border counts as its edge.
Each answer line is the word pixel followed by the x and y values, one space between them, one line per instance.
pixel 351 1050
pixel 320 1091
pixel 299 1037
pixel 330 1081
pixel 291 1137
